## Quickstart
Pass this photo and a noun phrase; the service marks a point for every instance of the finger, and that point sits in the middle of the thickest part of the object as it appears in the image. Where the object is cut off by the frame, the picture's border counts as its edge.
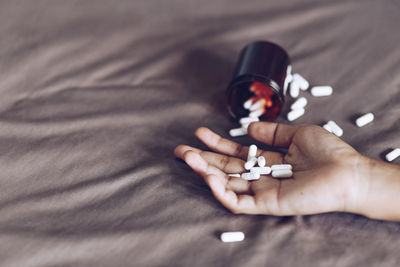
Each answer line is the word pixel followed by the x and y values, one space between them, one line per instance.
pixel 235 203
pixel 272 133
pixel 181 149
pixel 201 166
pixel 230 148
pixel 221 145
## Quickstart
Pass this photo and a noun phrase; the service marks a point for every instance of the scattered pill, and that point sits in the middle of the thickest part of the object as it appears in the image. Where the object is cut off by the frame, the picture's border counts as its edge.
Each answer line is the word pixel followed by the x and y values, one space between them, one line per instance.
pixel 303 83
pixel 246 120
pixel 229 237
pixel 261 170
pixel 249 176
pixel 335 128
pixel 248 103
pixel 257 113
pixel 327 127
pixel 258 105
pixel 261 161
pixel 365 119
pixel 252 152
pixel 277 167
pixel 321 90
pixel 295 114
pixel 238 132
pixel 294 89
pixel 234 175
pixel 250 163
pixel 393 154
pixel 299 103
pixel 282 173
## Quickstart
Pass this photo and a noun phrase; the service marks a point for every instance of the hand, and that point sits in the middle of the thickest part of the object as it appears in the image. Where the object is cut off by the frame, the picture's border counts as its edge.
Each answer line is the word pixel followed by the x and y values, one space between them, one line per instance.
pixel 325 171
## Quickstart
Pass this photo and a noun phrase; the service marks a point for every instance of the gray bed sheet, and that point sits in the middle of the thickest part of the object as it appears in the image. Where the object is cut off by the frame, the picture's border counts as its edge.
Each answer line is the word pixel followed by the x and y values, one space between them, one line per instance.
pixel 96 94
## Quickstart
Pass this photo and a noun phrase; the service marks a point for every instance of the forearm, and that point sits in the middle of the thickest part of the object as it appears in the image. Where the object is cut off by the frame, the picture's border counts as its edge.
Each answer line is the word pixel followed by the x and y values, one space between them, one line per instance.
pixel 379 190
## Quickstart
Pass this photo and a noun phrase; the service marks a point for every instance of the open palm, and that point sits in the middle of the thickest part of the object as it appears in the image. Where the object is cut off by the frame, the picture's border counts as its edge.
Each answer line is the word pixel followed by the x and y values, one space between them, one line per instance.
pixel 324 170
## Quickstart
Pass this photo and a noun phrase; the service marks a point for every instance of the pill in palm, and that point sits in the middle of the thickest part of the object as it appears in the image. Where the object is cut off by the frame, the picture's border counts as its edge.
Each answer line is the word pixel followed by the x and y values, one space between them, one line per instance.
pixel 228 237
pixel 234 175
pixel 261 170
pixel 295 114
pixel 335 128
pixel 250 163
pixel 321 90
pixel 252 152
pixel 395 153
pixel 238 132
pixel 248 103
pixel 276 167
pixel 285 173
pixel 303 83
pixel 299 103
pixel 364 119
pixel 251 175
pixel 261 161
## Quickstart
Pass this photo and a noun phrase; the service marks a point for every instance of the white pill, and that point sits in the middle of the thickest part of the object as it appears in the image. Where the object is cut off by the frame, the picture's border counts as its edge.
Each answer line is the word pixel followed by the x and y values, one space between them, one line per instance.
pixel 247 120
pixel 365 119
pixel 277 167
pixel 249 176
pixel 335 128
pixel 393 154
pixel 303 83
pixel 261 161
pixel 321 90
pixel 294 89
pixel 257 113
pixel 282 173
pixel 299 103
pixel 288 79
pixel 257 105
pixel 248 103
pixel 261 170
pixel 295 114
pixel 234 175
pixel 250 163
pixel 252 152
pixel 238 132
pixel 327 127
pixel 228 237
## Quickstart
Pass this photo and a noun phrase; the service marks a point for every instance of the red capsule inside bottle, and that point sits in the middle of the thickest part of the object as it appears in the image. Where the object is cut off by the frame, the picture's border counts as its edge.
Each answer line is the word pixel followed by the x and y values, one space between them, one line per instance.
pixel 242 91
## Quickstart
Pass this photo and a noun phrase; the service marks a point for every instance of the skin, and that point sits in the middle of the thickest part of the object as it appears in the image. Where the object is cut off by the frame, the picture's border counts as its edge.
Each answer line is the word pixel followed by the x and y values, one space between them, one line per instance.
pixel 328 174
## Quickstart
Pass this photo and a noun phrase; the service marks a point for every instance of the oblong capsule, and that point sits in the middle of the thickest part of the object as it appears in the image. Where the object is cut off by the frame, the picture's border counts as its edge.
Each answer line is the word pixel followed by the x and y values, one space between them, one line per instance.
pixel 321 90
pixel 294 89
pixel 364 119
pixel 234 175
pixel 395 153
pixel 276 167
pixel 228 237
pixel 246 120
pixel 327 127
pixel 261 161
pixel 252 152
pixel 261 170
pixel 238 132
pixel 250 163
pixel 299 103
pixel 248 103
pixel 257 105
pixel 282 173
pixel 257 113
pixel 303 83
pixel 335 128
pixel 295 114
pixel 249 176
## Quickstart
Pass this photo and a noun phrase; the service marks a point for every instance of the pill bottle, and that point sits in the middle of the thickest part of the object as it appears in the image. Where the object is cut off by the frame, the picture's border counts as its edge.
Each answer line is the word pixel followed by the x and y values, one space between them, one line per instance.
pixel 262 72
